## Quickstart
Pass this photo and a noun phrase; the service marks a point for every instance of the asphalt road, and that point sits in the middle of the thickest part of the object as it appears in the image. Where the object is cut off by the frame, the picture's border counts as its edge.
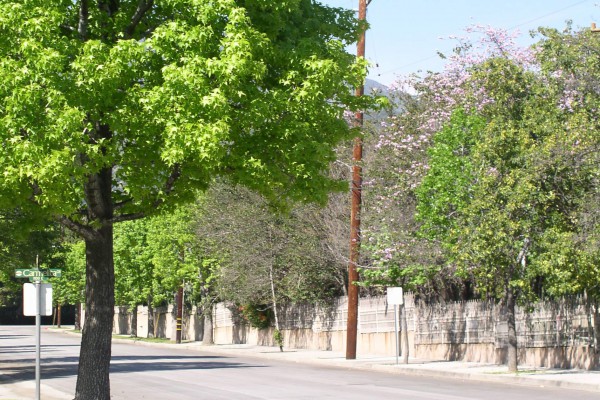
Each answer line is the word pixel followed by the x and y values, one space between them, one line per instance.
pixel 140 372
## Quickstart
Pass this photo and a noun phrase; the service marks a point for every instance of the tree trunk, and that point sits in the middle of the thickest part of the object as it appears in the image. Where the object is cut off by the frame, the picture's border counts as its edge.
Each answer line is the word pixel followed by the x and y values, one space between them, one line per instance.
pixel 404 328
pixel 94 360
pixel 207 311
pixel 134 313
pixel 150 318
pixel 58 316
pixel 179 311
pixel 596 327
pixel 156 318
pixel 278 334
pixel 78 316
pixel 512 330
pixel 207 335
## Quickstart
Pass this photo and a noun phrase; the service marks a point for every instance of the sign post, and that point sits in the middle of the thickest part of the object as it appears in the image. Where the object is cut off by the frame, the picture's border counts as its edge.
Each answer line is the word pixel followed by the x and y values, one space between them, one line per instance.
pixel 395 297
pixel 38 338
pixel 37 301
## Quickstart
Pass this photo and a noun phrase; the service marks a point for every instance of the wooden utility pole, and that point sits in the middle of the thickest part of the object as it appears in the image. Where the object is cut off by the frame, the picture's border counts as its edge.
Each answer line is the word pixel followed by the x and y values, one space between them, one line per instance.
pixel 352 327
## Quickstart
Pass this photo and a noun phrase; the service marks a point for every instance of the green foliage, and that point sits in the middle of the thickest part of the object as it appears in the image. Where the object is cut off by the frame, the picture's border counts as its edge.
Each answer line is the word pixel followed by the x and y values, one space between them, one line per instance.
pixel 504 208
pixel 175 254
pixel 154 257
pixel 70 287
pixel 24 241
pixel 411 264
pixel 133 264
pixel 106 117
pixel 569 65
pixel 258 316
pixel 446 188
pixel 248 237
pixel 410 277
pixel 507 191
pixel 255 90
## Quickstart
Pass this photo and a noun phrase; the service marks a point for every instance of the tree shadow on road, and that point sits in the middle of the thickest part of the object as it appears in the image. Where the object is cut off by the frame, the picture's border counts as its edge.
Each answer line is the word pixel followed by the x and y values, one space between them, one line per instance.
pixel 60 367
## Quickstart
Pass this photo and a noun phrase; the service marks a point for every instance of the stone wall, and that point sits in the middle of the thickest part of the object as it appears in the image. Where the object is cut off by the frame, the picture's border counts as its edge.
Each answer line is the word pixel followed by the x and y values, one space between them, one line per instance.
pixel 554 334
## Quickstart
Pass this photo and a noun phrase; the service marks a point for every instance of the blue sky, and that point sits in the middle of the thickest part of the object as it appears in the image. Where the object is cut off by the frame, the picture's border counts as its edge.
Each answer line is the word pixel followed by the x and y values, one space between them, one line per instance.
pixel 405 34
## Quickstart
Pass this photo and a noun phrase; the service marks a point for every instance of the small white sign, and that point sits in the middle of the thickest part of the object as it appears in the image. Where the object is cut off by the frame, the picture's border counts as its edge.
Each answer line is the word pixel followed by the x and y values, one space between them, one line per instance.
pixel 394 296
pixel 29 299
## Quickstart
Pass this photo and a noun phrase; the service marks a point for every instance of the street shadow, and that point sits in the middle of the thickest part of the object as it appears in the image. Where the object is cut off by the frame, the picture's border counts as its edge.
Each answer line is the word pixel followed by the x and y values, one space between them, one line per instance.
pixel 31 348
pixel 17 349
pixel 60 367
pixel 4 337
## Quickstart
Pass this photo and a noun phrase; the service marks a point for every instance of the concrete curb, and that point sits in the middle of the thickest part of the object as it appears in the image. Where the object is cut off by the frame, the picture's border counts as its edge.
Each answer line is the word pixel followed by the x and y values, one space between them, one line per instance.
pixel 22 390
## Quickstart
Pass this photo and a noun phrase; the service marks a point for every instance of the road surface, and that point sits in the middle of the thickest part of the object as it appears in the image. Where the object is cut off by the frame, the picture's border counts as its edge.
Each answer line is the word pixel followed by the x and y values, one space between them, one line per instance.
pixel 141 372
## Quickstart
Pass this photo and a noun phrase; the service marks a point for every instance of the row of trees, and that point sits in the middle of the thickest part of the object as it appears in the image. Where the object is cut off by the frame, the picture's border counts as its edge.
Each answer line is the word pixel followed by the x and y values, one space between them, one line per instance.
pixel 485 183
pixel 494 169
pixel 250 255
pixel 112 111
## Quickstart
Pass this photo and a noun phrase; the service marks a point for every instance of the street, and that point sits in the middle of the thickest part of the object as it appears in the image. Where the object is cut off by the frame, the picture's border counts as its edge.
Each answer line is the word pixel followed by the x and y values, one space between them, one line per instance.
pixel 143 372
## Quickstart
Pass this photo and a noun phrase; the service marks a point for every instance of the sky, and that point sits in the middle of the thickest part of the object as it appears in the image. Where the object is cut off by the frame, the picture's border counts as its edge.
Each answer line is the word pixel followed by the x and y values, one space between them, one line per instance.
pixel 405 35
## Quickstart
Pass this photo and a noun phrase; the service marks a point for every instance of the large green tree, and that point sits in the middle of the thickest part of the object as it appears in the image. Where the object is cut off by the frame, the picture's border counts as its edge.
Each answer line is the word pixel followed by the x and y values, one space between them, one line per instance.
pixel 569 63
pixel 112 109
pixel 500 191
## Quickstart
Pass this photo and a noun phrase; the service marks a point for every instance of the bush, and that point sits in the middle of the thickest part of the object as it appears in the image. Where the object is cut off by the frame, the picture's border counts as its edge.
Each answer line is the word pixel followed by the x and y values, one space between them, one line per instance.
pixel 258 316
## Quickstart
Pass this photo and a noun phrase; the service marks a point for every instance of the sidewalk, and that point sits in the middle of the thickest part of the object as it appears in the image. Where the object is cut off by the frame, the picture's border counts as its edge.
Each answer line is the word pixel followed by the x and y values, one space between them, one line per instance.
pixel 26 391
pixel 541 377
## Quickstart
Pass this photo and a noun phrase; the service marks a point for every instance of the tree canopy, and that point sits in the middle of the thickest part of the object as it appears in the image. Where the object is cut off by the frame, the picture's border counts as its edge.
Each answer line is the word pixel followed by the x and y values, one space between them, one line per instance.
pixel 112 110
pixel 498 166
pixel 171 92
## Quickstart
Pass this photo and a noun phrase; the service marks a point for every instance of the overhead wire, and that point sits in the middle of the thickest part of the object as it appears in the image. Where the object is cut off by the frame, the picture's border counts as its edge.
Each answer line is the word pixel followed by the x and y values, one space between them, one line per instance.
pixel 419 61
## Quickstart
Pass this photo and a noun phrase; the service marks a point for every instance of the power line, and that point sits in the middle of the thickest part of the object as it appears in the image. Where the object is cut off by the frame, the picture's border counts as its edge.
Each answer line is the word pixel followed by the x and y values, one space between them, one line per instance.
pixel 416 62
pixel 549 14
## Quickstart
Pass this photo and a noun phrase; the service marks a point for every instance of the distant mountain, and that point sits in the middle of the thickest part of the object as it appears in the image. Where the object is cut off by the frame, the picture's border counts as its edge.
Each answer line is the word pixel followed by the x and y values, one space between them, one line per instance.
pixel 382 90
pixel 371 85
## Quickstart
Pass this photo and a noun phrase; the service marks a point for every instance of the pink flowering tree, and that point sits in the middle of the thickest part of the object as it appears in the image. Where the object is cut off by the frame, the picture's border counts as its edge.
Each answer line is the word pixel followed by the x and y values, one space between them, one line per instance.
pixel 490 171
pixel 398 255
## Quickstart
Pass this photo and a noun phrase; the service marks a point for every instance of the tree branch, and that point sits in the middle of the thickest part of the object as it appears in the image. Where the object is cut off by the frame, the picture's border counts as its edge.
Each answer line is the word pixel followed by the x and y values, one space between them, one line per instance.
pixel 84 14
pixel 170 183
pixel 35 192
pixel 121 204
pixel 175 174
pixel 168 188
pixel 142 8
pixel 68 29
pixel 128 217
pixel 82 230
